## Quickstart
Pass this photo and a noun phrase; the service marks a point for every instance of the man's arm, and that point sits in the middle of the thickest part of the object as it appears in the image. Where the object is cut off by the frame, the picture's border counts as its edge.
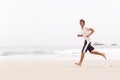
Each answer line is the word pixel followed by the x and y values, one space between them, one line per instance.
pixel 79 35
pixel 92 31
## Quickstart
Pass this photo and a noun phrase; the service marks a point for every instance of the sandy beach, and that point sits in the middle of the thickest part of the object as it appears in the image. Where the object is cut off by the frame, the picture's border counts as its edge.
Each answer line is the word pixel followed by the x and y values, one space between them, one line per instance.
pixel 60 70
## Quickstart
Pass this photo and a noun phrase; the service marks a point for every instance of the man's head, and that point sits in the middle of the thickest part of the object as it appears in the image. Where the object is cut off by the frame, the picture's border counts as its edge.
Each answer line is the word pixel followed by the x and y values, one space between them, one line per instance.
pixel 82 22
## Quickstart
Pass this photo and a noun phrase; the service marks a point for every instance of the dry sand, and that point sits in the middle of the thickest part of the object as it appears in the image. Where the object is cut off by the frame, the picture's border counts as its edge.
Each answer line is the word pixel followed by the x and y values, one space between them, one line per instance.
pixel 60 70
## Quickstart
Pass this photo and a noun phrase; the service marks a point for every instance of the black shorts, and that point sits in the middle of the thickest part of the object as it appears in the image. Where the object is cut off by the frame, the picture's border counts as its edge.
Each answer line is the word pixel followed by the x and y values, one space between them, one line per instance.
pixel 87 46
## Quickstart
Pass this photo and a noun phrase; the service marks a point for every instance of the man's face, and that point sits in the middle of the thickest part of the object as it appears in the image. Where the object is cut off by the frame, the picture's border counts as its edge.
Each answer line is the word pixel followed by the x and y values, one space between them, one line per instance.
pixel 82 23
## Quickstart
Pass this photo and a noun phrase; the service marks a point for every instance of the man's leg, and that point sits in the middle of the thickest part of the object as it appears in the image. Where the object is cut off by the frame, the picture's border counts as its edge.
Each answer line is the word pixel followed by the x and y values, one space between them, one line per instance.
pixel 81 59
pixel 84 49
pixel 98 53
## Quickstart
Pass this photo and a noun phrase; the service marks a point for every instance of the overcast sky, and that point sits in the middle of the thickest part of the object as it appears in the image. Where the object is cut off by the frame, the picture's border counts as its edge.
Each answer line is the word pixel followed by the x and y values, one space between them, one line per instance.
pixel 56 22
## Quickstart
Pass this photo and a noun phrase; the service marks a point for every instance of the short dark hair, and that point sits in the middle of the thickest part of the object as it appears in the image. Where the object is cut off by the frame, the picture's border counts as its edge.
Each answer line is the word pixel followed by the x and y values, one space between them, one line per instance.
pixel 82 21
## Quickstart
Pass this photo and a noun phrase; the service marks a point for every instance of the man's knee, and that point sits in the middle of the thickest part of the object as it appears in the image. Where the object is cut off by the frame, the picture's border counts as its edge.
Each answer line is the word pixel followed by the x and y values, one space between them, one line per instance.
pixel 92 52
pixel 82 54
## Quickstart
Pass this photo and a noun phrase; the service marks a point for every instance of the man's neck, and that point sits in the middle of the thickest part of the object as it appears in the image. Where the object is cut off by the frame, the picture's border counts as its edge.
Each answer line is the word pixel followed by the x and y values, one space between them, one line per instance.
pixel 82 27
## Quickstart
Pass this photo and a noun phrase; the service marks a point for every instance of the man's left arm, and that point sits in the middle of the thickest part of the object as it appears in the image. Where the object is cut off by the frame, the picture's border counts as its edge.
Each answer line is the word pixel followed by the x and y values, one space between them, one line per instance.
pixel 91 32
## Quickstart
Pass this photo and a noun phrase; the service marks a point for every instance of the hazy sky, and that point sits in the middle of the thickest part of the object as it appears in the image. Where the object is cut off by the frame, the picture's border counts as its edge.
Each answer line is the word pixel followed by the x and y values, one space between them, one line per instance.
pixel 56 22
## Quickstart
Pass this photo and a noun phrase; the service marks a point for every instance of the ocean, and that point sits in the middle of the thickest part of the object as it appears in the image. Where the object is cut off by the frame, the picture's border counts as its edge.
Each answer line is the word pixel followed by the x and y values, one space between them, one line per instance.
pixel 23 53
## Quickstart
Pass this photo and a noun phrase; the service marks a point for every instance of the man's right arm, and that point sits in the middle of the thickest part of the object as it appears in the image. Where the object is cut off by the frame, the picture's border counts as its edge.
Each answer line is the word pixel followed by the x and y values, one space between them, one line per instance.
pixel 79 35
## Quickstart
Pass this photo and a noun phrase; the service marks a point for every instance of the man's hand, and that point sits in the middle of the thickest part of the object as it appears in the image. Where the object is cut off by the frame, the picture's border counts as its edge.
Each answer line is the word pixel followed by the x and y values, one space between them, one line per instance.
pixel 79 35
pixel 88 36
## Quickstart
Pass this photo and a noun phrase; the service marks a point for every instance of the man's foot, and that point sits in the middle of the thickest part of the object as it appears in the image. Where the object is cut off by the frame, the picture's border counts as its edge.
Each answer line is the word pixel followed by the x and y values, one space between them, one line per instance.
pixel 78 64
pixel 104 55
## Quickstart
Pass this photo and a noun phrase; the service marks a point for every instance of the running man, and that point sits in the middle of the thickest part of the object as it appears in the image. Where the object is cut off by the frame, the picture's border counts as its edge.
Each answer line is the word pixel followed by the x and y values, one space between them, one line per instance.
pixel 86 33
